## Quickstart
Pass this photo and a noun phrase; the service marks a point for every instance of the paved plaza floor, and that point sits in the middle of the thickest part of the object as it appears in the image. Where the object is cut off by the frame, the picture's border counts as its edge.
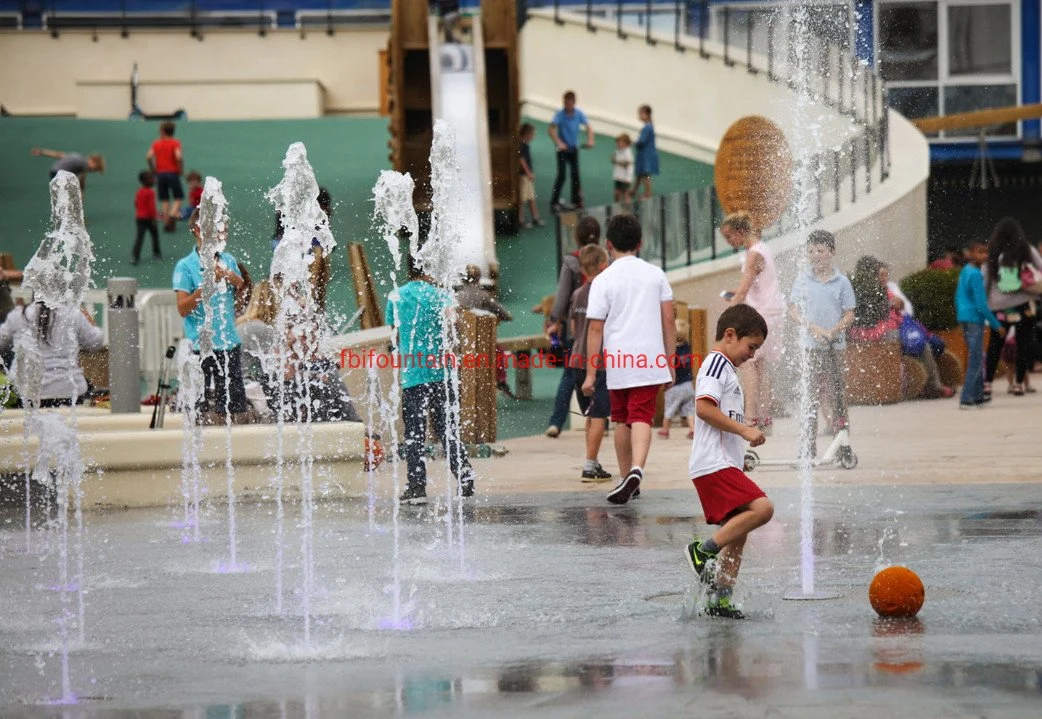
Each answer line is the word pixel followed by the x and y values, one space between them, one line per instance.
pixel 553 603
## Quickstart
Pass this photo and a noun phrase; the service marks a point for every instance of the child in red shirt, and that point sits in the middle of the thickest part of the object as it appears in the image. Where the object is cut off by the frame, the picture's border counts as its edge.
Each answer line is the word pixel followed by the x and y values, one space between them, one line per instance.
pixel 166 160
pixel 145 212
pixel 195 193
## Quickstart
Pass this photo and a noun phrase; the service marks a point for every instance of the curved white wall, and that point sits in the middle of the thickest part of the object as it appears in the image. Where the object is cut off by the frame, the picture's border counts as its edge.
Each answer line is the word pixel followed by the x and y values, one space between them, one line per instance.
pixel 695 100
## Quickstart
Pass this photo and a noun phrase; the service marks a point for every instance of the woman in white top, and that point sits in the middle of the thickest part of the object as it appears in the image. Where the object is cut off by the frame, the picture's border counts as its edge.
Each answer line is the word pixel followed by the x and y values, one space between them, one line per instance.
pixel 60 335
pixel 758 288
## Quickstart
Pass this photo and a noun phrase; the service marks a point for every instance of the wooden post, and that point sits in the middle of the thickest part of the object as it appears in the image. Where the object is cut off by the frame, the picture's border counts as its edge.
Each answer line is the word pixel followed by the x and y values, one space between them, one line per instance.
pixel 522 375
pixel 365 292
pixel 699 321
pixel 477 373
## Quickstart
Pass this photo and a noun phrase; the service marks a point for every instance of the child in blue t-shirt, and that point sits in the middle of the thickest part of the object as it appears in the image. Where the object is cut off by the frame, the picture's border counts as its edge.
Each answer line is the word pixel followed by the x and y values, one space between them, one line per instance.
pixel 647 154
pixel 971 310
pixel 416 311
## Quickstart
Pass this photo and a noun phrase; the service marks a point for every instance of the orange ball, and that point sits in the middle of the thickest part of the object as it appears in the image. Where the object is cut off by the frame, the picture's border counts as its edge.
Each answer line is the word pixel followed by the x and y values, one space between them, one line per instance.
pixel 897 592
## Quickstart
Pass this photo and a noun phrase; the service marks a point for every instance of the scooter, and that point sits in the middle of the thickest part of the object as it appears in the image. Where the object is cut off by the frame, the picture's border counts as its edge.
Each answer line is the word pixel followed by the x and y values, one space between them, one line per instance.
pixel 839 452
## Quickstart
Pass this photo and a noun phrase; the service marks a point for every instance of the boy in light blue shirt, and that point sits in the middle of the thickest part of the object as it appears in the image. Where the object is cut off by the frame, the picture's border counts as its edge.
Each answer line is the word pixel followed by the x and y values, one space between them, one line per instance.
pixel 224 393
pixel 972 312
pixel 416 311
pixel 822 302
pixel 564 131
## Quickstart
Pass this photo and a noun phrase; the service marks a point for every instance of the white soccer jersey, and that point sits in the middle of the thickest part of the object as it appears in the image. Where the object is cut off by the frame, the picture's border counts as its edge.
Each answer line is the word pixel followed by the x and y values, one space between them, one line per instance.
pixel 712 449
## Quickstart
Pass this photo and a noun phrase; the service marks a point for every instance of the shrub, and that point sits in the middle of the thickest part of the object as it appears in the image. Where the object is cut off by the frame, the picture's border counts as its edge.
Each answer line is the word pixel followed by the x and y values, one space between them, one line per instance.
pixel 932 294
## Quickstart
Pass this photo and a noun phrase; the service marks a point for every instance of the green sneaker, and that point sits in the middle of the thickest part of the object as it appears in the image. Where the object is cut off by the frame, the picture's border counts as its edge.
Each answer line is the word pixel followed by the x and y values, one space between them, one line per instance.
pixel 722 607
pixel 700 561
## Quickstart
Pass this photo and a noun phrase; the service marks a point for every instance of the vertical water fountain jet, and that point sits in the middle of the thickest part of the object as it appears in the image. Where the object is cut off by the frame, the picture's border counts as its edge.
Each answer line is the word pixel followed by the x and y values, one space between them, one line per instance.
pixel 808 144
pixel 395 215
pixel 59 275
pixel 189 395
pixel 299 318
pixel 443 259
pixel 213 232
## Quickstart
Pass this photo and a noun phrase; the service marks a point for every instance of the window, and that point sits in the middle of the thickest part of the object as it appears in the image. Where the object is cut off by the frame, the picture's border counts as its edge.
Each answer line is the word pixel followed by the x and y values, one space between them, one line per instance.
pixel 978 40
pixel 908 41
pixel 949 56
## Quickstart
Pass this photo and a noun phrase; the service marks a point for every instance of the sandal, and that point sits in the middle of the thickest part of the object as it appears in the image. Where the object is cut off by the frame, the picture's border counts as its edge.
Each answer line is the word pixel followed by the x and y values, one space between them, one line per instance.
pixel 1018 390
pixel 664 433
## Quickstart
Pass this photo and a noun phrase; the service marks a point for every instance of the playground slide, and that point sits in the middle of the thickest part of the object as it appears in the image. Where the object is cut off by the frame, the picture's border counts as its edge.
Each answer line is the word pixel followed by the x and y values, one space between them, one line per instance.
pixel 458 97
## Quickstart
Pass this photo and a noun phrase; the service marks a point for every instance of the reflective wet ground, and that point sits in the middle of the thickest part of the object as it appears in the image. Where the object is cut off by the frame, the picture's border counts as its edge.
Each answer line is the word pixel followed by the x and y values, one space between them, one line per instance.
pixel 557 606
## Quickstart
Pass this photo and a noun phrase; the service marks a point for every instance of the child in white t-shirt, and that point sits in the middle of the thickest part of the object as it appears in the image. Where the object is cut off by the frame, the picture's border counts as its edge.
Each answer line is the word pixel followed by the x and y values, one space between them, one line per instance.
pixel 630 317
pixel 729 498
pixel 622 168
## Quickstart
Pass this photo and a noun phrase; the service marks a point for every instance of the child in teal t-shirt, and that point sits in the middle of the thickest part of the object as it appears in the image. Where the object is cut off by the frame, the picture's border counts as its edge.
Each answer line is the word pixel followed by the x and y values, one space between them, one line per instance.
pixel 417 312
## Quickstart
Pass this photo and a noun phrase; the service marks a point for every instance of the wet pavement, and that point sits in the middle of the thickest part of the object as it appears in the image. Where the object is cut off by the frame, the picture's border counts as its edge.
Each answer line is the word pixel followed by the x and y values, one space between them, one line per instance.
pixel 557 605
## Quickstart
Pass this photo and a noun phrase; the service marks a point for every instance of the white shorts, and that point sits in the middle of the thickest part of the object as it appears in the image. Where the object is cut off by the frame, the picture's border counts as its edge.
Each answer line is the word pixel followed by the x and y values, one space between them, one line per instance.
pixel 527 189
pixel 679 401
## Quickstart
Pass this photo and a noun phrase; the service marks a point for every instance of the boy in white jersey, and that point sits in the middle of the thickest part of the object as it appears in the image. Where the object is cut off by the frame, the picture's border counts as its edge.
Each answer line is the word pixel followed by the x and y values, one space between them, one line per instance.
pixel 729 498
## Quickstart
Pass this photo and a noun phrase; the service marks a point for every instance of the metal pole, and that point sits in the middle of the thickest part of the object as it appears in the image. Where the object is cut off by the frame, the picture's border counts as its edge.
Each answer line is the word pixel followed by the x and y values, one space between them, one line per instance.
pixel 703 29
pixel 662 228
pixel 677 16
pixel 557 12
pixel 770 48
pixel 865 88
pixel 647 26
pixel 124 347
pixel 868 160
pixel 749 45
pixel 835 179
pixel 687 224
pixel 840 57
pixel 589 16
pixel 727 36
pixel 853 169
pixel 818 162
pixel 884 139
pixel 712 222
pixel 618 20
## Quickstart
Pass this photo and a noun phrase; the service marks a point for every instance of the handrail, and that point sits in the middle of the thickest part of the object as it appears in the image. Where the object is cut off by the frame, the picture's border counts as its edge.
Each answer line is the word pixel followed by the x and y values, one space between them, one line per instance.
pixel 681 226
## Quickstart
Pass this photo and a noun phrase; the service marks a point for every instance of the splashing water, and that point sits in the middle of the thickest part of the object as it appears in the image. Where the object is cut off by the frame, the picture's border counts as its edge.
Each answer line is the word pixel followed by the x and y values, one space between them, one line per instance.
pixel 58 275
pixel 306 238
pixel 443 259
pixel 808 139
pixel 213 231
pixel 189 394
pixel 394 212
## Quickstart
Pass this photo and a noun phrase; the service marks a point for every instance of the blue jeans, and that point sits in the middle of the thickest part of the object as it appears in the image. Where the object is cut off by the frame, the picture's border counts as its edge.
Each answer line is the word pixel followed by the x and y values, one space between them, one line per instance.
pixel 563 400
pixel 973 385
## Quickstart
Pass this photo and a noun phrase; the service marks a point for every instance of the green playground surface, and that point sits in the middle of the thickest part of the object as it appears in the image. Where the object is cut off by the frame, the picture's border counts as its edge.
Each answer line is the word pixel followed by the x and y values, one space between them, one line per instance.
pixel 347 153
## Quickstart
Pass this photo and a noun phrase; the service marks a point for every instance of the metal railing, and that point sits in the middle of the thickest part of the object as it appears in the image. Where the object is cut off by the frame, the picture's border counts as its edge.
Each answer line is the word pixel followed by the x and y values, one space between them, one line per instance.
pixel 779 43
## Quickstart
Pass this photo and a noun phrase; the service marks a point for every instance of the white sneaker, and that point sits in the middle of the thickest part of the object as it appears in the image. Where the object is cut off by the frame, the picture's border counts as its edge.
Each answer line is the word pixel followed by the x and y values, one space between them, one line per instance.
pixel 553 431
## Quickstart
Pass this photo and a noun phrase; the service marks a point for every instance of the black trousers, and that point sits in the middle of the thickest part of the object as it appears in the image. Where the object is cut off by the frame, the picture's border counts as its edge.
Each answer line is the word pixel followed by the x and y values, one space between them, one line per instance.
pixel 1027 346
pixel 152 228
pixel 216 397
pixel 420 404
pixel 565 159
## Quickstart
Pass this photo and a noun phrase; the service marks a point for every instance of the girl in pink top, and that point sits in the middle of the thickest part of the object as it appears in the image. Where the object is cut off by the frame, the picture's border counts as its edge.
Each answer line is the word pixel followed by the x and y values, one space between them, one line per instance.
pixel 758 287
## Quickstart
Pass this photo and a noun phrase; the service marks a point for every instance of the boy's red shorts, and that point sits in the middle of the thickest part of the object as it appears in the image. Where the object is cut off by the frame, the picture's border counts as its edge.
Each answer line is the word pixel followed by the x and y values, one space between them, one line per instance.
pixel 633 404
pixel 724 491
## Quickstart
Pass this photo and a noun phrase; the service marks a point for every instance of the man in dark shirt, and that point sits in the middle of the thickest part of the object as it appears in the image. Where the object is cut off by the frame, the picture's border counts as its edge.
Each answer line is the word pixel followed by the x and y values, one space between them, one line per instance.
pixel 72 162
